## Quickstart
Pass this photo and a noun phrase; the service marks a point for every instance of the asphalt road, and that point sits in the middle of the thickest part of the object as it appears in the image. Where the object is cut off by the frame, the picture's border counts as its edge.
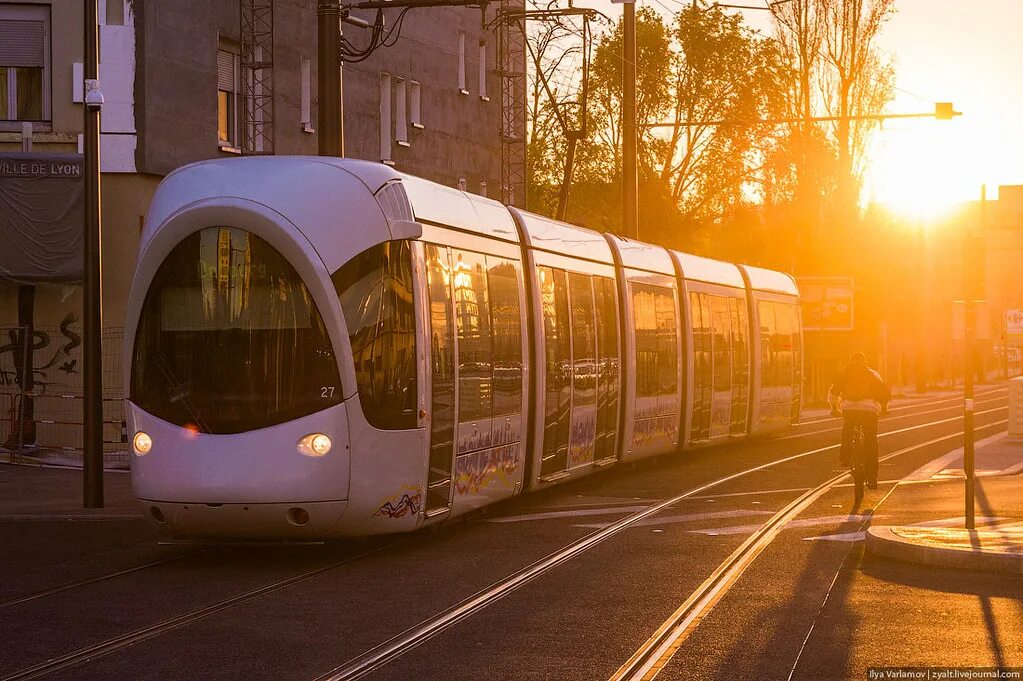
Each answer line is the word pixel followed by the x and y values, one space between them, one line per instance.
pixel 810 602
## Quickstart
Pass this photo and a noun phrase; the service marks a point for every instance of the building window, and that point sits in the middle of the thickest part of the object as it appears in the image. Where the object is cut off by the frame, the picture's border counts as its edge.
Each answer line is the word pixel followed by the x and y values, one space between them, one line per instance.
pixel 461 63
pixel 483 71
pixel 115 12
pixel 307 108
pixel 385 117
pixel 415 104
pixel 228 66
pixel 400 118
pixel 24 63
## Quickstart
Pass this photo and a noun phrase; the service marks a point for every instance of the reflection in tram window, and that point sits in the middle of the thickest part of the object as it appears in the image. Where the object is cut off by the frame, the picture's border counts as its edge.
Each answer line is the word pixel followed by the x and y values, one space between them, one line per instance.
pixel 740 364
pixel 606 305
pixel 375 290
pixel 700 311
pixel 584 354
pixel 769 376
pixel 229 338
pixel 504 278
pixel 442 369
pixel 475 348
pixel 722 343
pixel 557 365
pixel 656 340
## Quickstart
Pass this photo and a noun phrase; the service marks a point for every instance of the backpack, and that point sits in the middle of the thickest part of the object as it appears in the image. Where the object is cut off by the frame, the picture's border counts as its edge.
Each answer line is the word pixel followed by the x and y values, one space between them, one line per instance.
pixel 859 384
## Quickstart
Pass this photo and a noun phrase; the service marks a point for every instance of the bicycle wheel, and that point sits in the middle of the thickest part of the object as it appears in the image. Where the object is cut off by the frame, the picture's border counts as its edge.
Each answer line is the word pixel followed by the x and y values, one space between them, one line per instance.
pixel 858 470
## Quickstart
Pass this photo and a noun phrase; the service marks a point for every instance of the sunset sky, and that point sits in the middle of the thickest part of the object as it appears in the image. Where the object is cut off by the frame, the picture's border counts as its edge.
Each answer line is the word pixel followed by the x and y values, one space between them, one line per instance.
pixel 969 53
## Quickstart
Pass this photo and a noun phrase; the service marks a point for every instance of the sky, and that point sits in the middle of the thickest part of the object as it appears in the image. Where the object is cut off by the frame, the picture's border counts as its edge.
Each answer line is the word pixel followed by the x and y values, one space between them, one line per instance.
pixel 968 52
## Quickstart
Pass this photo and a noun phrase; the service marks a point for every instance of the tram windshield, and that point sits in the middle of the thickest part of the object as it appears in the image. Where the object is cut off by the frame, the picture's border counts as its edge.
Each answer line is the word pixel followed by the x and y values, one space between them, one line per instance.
pixel 229 339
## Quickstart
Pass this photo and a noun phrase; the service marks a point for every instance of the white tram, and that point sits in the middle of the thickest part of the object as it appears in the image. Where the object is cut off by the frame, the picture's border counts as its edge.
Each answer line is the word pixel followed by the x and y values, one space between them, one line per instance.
pixel 323 347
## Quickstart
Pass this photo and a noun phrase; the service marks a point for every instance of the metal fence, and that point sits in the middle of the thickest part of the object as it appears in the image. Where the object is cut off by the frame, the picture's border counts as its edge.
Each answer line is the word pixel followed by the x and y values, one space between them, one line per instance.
pixel 47 415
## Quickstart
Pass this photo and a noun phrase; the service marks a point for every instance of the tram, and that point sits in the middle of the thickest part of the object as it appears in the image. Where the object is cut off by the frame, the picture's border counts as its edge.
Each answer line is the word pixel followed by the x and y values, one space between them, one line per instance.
pixel 328 347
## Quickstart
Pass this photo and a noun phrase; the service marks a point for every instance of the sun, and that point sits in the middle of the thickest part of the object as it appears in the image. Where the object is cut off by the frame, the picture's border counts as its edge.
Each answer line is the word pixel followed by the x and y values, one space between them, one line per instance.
pixel 923 169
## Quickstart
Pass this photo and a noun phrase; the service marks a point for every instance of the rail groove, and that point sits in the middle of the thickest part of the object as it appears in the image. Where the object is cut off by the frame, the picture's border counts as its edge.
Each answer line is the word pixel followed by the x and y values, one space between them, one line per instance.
pixel 658 650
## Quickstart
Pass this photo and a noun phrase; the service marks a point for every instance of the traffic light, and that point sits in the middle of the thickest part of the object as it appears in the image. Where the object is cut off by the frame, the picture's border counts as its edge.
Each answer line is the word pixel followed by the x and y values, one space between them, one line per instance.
pixel 943 111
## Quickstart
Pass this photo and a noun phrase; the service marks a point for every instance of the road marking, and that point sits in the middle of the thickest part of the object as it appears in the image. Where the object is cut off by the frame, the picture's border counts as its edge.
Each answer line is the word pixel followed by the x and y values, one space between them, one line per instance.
pixel 841 536
pixel 933 468
pixel 806 522
pixel 567 514
pixel 952 521
pixel 674 519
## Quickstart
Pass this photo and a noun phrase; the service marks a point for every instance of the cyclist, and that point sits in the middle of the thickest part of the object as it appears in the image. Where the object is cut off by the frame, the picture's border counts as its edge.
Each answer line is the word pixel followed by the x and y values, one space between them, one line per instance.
pixel 863 395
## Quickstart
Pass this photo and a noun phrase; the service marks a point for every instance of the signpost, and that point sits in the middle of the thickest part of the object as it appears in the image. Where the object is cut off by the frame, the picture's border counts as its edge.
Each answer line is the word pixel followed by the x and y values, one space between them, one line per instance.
pixel 827 303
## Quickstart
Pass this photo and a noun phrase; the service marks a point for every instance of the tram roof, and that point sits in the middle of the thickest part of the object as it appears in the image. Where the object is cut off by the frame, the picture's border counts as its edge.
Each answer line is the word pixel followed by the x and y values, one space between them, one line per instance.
pixel 545 234
pixel 642 256
pixel 761 279
pixel 698 268
pixel 435 203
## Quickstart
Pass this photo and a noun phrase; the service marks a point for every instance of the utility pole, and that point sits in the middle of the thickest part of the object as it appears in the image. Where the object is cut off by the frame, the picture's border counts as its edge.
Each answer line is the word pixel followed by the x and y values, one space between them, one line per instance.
pixel 630 180
pixel 330 112
pixel 970 275
pixel 92 326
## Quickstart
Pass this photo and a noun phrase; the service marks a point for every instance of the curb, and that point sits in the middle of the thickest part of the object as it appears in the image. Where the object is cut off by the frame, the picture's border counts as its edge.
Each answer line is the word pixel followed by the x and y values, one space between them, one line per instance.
pixel 882 541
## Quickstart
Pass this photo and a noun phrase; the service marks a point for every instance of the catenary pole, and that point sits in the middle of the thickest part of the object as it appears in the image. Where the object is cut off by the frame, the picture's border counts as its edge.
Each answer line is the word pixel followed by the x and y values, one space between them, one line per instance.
pixel 331 106
pixel 92 437
pixel 630 181
pixel 970 275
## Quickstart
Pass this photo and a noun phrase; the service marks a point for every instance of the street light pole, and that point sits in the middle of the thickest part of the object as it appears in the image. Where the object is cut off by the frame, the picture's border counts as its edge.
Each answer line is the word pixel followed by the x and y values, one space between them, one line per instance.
pixel 630 179
pixel 331 106
pixel 92 326
pixel 970 275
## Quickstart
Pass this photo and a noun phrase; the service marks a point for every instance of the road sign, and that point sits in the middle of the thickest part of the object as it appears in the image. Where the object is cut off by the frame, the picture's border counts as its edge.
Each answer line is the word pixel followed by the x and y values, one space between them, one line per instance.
pixel 1014 322
pixel 827 303
pixel 981 324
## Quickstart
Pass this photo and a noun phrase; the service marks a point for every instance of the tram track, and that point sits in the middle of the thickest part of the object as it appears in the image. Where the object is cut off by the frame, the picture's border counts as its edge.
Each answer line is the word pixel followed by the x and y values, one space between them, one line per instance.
pixel 658 650
pixel 380 655
pixel 390 650
pixel 993 394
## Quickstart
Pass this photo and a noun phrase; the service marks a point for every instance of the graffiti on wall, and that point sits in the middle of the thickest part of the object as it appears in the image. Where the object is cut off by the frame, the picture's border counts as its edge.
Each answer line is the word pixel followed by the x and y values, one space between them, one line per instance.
pixel 56 352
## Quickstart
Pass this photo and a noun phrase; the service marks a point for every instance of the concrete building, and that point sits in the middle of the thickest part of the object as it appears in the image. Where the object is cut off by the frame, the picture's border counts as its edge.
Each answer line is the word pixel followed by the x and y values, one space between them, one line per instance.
pixel 178 88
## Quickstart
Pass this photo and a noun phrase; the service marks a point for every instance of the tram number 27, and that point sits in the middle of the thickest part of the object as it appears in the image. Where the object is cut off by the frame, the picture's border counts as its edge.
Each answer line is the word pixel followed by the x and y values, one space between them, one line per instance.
pixel 327 391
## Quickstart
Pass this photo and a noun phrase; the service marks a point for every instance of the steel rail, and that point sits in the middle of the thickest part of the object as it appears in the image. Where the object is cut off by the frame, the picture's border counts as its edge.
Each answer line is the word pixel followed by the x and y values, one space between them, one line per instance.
pixel 413 637
pixel 395 647
pixel 658 650
pixel 958 405
pixel 102 578
pixel 111 645
pixel 956 399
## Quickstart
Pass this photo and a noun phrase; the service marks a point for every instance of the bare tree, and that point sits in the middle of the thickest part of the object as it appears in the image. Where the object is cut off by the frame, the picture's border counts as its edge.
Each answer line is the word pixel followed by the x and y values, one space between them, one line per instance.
pixel 858 82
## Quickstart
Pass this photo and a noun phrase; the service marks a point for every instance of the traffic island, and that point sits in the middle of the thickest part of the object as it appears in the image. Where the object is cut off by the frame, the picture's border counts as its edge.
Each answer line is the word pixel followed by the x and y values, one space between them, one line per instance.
pixel 993 548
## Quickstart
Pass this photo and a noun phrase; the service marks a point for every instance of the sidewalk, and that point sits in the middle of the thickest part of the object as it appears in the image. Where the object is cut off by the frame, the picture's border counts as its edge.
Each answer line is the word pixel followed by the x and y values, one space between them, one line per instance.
pixel 934 496
pixel 63 458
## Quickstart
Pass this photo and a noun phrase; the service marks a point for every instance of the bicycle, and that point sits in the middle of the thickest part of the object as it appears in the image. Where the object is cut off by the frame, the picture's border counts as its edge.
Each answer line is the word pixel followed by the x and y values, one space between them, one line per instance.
pixel 857 456
pixel 857 451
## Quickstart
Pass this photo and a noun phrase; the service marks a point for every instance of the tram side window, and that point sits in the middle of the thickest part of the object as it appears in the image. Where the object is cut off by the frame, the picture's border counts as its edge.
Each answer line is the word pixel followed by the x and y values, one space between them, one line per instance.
pixel 503 276
pixel 700 311
pixel 656 338
pixel 740 363
pixel 557 361
pixel 375 290
pixel 475 347
pixel 768 350
pixel 584 341
pixel 722 350
pixel 606 305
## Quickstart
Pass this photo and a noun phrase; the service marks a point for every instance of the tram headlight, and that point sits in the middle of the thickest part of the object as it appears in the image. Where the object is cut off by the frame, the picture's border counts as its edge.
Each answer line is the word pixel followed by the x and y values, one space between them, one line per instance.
pixel 316 444
pixel 142 443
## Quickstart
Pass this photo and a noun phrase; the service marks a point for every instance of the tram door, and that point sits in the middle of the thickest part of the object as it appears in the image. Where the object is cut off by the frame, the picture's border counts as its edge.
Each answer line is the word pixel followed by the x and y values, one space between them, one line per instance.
pixel 442 393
